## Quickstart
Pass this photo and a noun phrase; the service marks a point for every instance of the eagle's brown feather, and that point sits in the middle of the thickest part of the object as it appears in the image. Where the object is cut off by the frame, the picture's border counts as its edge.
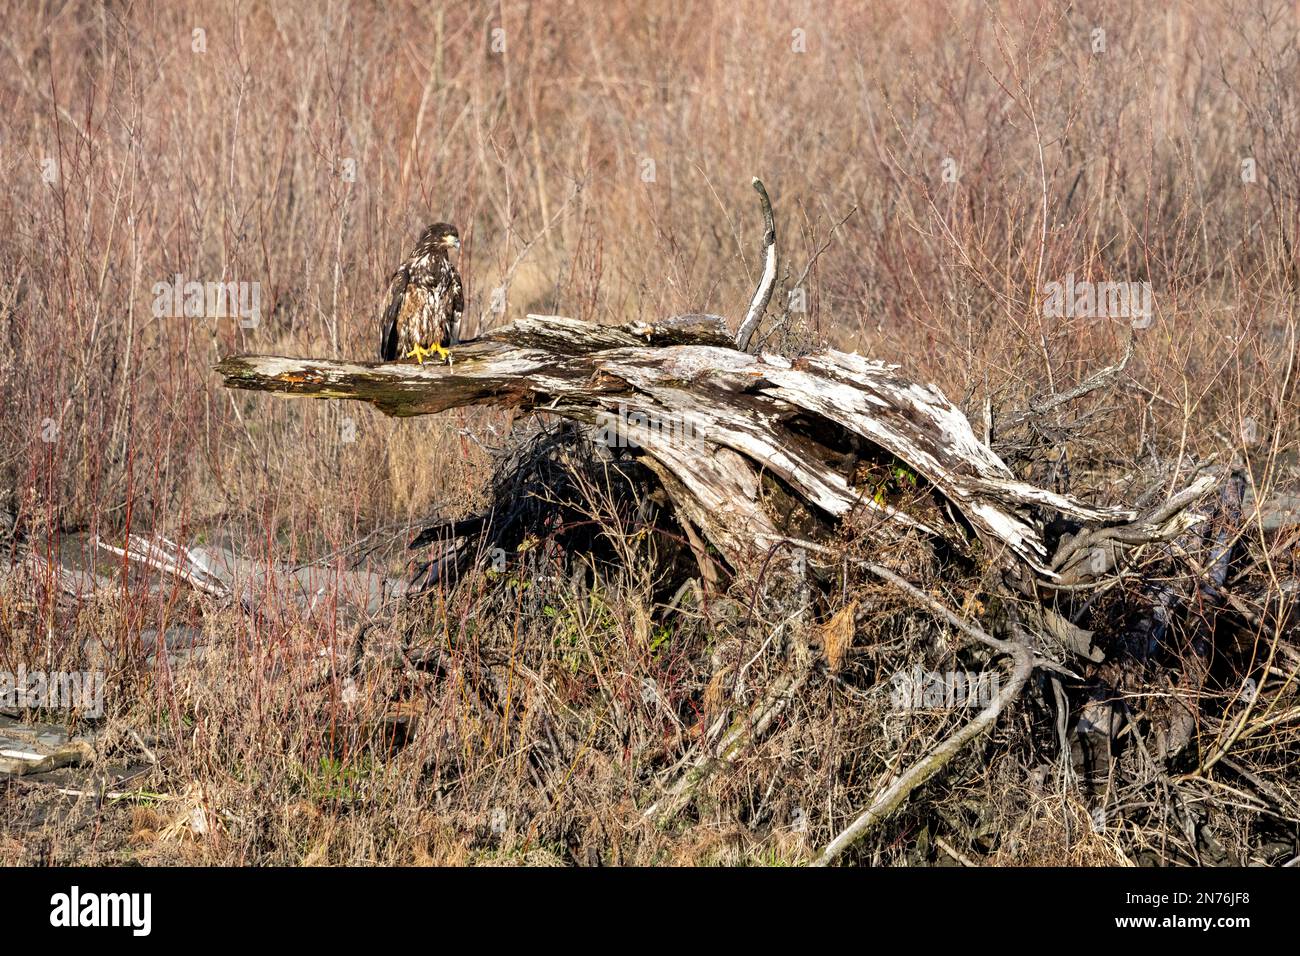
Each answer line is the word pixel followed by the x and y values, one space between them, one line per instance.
pixel 425 298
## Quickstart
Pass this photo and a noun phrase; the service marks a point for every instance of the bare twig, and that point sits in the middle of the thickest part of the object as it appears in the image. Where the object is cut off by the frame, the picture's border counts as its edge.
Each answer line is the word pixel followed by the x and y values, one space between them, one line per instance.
pixel 897 792
pixel 967 628
pixel 743 731
pixel 1093 382
pixel 763 294
pixel 953 852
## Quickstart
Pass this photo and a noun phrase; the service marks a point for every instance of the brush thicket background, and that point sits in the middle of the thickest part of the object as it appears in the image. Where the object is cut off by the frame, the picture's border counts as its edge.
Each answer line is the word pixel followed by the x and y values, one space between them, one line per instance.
pixel 598 167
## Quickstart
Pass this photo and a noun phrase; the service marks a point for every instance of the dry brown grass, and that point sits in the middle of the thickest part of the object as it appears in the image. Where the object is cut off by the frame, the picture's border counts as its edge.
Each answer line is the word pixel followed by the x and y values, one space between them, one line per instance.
pixel 230 164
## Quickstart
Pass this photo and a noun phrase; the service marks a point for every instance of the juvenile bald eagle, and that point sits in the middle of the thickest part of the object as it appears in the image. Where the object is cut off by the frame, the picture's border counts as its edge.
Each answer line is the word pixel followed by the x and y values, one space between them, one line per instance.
pixel 425 301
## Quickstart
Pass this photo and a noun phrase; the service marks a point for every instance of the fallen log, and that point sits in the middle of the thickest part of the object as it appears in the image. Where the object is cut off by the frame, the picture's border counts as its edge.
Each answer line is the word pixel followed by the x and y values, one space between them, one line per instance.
pixel 716 424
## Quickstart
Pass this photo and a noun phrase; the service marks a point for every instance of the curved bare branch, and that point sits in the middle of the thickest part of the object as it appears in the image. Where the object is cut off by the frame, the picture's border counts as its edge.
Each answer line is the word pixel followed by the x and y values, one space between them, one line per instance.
pixel 763 294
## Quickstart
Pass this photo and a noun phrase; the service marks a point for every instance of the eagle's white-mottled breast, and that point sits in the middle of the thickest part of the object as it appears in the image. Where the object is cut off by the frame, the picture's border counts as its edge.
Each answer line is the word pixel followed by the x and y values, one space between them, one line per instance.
pixel 429 314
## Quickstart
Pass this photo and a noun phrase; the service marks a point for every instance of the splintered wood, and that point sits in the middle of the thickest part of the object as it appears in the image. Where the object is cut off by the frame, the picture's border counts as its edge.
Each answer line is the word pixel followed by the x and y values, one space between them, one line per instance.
pixel 713 422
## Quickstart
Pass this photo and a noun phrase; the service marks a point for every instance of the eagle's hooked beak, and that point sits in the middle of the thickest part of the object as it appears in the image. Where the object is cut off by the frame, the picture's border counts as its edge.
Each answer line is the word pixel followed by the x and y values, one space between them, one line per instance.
pixel 451 242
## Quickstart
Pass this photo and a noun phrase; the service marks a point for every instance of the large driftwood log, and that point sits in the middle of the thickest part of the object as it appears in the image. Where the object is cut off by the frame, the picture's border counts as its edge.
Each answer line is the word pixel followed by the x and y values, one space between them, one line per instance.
pixel 711 421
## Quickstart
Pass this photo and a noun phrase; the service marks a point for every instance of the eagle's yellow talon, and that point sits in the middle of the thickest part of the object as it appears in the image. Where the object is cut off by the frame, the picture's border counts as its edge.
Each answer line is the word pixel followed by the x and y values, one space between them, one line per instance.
pixel 419 353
